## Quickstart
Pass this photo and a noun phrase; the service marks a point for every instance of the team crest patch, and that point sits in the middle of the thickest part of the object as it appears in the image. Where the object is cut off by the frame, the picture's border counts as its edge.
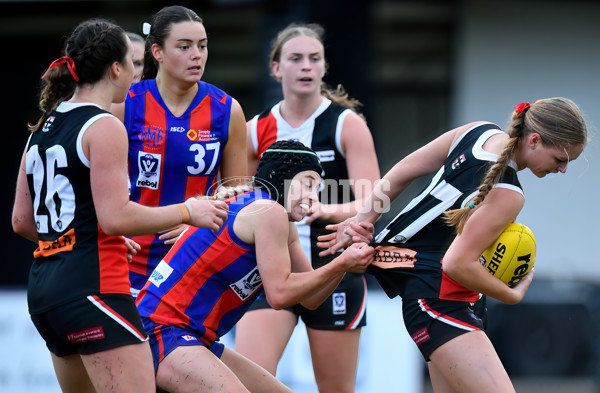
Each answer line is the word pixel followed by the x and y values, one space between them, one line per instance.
pixel 339 303
pixel 48 124
pixel 456 164
pixel 247 285
pixel 149 170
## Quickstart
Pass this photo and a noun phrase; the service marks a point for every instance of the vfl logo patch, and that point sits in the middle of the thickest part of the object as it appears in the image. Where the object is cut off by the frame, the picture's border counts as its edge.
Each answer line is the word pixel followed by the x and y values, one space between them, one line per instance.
pixel 149 170
pixel 339 303
pixel 247 285
pixel 458 161
pixel 188 337
pixel 48 124
pixel 161 273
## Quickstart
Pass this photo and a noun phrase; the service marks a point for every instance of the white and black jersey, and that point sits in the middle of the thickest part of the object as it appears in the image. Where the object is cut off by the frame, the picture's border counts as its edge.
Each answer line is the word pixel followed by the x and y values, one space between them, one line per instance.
pixel 411 246
pixel 75 258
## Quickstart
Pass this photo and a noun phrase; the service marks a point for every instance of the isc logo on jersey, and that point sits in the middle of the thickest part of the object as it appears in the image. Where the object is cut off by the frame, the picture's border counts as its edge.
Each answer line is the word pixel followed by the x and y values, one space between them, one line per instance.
pixel 247 285
pixel 149 170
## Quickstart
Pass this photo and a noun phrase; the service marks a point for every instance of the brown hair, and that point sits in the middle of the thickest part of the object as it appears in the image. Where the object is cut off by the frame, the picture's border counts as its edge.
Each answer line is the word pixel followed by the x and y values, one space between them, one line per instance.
pixel 317 32
pixel 559 123
pixel 160 29
pixel 94 45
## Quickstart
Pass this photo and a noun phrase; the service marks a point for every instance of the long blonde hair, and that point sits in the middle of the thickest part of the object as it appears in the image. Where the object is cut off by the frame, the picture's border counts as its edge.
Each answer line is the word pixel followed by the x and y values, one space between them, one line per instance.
pixel 559 123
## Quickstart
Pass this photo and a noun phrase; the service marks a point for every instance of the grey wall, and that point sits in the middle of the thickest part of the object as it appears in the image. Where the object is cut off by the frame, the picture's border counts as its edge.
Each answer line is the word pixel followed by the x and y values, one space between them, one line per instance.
pixel 509 52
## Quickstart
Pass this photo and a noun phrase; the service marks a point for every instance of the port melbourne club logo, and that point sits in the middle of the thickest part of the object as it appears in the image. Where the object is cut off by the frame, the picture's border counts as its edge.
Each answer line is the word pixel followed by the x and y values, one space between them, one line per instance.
pixel 149 170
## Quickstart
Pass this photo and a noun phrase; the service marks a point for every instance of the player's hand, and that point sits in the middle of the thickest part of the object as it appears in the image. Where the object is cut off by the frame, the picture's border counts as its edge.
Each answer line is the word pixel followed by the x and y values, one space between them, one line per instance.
pixel 335 241
pixel 207 213
pixel 170 236
pixel 358 257
pixel 132 248
pixel 521 288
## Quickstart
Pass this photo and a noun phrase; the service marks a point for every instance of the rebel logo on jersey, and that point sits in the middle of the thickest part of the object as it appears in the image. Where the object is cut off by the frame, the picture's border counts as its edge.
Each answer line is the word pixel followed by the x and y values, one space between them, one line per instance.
pixel 149 170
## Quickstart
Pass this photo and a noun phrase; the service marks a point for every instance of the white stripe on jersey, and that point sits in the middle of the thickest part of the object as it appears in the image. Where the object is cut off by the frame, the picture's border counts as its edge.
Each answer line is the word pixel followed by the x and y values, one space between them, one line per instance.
pixel 115 318
pixel 443 319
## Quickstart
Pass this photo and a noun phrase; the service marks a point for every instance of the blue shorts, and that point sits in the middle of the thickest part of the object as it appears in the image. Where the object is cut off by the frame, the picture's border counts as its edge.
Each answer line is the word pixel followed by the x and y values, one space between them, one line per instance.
pixel 164 339
pixel 433 322
pixel 91 324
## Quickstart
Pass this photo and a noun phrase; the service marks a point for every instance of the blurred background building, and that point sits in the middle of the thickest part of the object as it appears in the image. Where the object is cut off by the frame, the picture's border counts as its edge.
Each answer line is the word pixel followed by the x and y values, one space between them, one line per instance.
pixel 420 67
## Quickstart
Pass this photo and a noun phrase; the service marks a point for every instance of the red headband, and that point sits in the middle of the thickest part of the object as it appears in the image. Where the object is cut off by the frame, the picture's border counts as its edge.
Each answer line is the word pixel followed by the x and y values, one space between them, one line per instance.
pixel 70 66
pixel 521 107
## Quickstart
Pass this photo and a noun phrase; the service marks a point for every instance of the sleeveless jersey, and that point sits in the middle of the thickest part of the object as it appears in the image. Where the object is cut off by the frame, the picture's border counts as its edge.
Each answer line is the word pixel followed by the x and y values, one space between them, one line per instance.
pixel 75 257
pixel 322 132
pixel 410 247
pixel 172 158
pixel 207 280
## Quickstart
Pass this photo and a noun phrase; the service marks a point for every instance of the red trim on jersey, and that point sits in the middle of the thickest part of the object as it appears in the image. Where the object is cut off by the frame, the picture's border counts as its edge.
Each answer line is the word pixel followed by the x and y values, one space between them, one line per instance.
pixel 446 317
pixel 154 117
pixel 266 132
pixel 451 290
pixel 221 253
pixel 363 304
pixel 139 262
pixel 196 185
pixel 228 301
pixel 200 120
pixel 112 264
pixel 161 344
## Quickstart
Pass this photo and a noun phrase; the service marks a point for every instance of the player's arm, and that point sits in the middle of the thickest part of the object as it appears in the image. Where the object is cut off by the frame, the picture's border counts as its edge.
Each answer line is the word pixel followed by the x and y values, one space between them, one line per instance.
pixel 233 162
pixel 288 283
pixel 23 221
pixel 461 262
pixel 363 170
pixel 105 145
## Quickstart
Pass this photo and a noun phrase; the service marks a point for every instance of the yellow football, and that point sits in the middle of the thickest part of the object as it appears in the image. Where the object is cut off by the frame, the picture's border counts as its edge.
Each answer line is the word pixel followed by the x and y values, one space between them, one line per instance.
pixel 512 255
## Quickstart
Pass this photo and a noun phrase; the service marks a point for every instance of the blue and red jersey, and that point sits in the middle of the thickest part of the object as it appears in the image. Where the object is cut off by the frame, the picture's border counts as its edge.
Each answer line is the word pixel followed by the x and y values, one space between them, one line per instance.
pixel 172 158
pixel 207 280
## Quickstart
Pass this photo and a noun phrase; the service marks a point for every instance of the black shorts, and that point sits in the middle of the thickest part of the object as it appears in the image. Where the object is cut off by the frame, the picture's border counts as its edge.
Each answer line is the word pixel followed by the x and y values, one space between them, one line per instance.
pixel 433 322
pixel 89 325
pixel 344 309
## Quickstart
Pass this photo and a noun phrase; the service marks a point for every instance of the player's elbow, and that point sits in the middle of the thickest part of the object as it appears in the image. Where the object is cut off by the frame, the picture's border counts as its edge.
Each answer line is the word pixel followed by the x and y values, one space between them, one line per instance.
pixel 112 227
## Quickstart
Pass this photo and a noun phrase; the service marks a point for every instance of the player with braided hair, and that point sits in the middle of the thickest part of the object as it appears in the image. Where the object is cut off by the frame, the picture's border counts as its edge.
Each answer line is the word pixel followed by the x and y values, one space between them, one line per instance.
pixel 429 253
pixel 72 199
pixel 207 281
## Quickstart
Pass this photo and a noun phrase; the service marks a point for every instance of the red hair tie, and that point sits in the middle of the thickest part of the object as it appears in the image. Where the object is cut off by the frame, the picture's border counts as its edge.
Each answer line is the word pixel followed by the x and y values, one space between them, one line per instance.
pixel 521 107
pixel 70 66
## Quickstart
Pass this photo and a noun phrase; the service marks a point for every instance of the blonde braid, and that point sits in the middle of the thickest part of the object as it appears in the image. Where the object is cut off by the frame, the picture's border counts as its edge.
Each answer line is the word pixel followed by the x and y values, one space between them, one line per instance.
pixel 458 217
